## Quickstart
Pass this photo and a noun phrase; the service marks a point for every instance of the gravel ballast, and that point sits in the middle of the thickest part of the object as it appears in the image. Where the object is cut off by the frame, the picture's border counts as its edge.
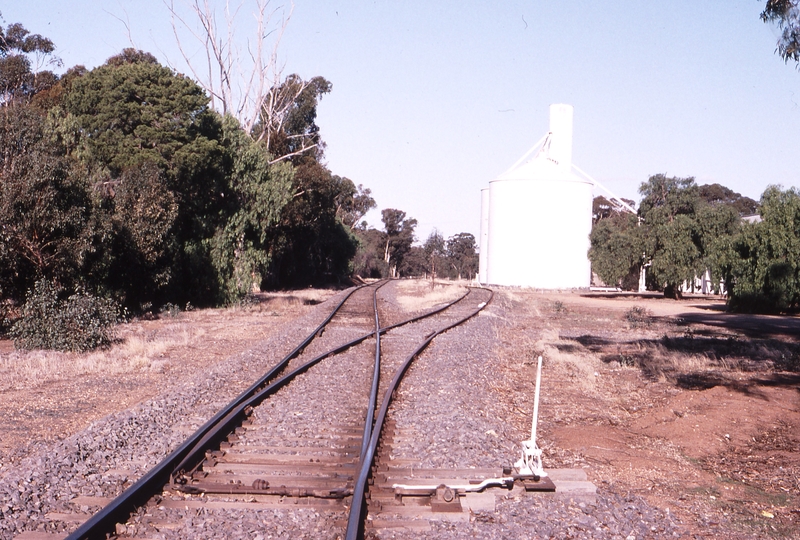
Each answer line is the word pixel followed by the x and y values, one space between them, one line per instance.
pixel 462 422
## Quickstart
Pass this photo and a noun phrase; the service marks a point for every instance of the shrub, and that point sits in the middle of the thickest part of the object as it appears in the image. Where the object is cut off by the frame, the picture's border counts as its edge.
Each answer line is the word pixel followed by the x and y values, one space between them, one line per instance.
pixel 171 310
pixel 638 316
pixel 5 314
pixel 559 308
pixel 79 323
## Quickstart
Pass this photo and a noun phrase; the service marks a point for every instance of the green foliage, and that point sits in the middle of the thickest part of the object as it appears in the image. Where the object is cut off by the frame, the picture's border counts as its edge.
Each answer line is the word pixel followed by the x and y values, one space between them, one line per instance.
pixel 5 314
pixel 45 207
pixel 171 310
pixel 310 245
pixel 681 230
pixel 156 156
pixel 288 124
pixel 462 257
pixel 616 249
pixel 123 181
pixel 368 261
pixel 398 237
pixel 454 258
pixel 352 203
pixel 718 225
pixel 259 192
pixel 434 251
pixel 719 195
pixel 766 266
pixel 142 247
pixel 417 264
pixel 786 13
pixel 671 231
pixel 603 208
pixel 80 322
pixel 130 112
pixel 18 80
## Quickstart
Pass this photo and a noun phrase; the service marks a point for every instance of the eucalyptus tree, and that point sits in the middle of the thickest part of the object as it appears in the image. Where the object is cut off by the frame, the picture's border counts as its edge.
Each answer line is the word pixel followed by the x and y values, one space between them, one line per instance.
pixel 766 266
pixel 133 114
pixel 462 255
pixel 670 231
pixel 22 57
pixel 786 13
pixel 259 192
pixel 45 207
pixel 353 202
pixel 617 249
pixel 310 245
pixel 680 231
pixel 398 237
pixel 435 252
pixel 244 76
pixel 150 141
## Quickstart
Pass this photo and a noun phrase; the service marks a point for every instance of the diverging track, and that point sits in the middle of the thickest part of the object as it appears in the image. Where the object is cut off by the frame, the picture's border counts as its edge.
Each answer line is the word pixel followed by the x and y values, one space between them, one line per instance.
pixel 294 453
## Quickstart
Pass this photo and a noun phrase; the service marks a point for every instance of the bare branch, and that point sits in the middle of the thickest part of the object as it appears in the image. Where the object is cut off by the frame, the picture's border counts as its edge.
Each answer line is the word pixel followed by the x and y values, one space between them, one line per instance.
pixel 238 79
pixel 126 23
pixel 298 152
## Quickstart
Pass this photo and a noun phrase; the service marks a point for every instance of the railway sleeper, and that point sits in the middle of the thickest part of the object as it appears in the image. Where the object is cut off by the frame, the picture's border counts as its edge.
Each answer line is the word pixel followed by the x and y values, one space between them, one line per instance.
pixel 262 487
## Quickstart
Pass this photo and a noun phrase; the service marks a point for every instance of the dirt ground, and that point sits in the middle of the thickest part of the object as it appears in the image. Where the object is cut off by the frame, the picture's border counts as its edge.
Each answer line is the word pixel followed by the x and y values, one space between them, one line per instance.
pixel 47 396
pixel 695 409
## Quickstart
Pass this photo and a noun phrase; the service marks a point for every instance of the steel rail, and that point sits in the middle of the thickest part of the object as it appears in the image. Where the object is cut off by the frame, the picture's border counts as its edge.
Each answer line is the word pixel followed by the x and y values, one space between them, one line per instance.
pixel 126 503
pixel 355 521
pixel 117 511
pixel 194 458
pixel 369 417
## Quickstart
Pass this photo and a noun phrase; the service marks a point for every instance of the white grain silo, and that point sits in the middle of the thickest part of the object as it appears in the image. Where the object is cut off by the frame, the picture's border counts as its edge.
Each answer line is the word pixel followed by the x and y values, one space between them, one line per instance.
pixel 540 216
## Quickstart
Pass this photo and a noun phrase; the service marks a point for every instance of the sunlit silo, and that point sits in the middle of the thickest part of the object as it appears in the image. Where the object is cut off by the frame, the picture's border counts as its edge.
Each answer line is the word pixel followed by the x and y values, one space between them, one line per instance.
pixel 540 217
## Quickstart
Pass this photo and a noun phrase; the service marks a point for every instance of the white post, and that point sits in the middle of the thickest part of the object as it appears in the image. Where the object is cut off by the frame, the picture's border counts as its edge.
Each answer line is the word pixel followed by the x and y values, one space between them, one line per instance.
pixel 530 464
pixel 536 401
pixel 642 279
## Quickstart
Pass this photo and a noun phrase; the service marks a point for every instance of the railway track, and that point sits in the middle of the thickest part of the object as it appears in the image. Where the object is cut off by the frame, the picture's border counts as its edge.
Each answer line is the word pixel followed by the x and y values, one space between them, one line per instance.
pixel 309 441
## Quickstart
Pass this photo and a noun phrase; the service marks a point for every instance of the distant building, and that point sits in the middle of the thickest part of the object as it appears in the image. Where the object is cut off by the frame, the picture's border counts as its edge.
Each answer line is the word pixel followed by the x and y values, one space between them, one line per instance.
pixel 752 218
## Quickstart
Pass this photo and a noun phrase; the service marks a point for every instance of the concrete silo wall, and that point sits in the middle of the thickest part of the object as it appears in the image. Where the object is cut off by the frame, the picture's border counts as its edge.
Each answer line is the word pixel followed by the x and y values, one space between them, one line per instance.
pixel 539 233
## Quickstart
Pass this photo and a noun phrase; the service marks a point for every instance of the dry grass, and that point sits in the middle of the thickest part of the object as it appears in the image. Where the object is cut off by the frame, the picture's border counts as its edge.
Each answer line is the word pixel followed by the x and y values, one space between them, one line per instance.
pixel 415 295
pixel 686 360
pixel 136 351
pixel 150 345
pixel 281 301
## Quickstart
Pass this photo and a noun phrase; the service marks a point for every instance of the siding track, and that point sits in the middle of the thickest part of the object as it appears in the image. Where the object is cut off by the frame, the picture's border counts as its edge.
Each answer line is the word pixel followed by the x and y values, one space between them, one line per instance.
pixel 298 446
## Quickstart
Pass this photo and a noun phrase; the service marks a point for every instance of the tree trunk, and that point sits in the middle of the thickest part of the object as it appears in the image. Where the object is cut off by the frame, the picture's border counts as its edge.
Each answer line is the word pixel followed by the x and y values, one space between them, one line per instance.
pixel 672 291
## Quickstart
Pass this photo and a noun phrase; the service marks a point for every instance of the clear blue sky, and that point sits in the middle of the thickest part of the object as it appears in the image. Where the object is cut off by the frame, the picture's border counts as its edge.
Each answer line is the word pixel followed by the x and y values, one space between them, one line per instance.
pixel 432 99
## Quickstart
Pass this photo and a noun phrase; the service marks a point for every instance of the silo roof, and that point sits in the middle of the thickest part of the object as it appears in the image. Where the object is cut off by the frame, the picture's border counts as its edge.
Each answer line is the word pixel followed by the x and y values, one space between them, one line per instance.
pixel 540 168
